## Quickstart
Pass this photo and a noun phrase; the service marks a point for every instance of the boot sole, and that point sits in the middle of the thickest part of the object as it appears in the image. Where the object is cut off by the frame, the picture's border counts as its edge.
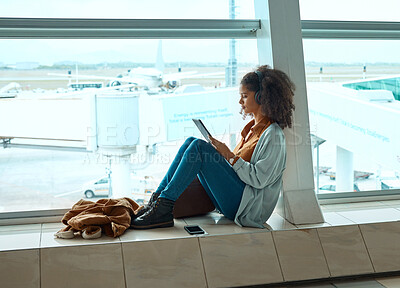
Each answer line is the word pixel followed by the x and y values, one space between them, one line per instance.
pixel 158 225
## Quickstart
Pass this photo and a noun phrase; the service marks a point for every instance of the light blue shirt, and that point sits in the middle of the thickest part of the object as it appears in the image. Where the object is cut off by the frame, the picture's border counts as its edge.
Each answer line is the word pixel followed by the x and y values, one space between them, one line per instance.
pixel 263 178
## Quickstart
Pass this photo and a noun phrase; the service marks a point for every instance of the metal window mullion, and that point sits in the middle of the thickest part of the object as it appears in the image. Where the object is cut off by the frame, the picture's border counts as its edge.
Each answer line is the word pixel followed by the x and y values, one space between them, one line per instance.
pixel 126 28
pixel 123 34
pixel 350 25
pixel 161 24
pixel 313 29
pixel 351 35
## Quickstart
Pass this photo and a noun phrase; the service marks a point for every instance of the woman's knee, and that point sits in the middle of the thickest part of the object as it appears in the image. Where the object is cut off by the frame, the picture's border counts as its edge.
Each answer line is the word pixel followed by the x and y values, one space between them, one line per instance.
pixel 197 146
pixel 201 145
pixel 208 152
pixel 190 140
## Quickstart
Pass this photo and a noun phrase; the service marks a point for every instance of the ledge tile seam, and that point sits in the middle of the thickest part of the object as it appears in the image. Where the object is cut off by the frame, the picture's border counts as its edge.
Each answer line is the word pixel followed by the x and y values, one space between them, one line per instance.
pixel 120 243
pixel 366 248
pixel 323 253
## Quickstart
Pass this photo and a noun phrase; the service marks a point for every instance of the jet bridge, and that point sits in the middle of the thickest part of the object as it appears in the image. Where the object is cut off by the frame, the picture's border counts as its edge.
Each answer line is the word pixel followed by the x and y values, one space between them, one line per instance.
pixel 363 122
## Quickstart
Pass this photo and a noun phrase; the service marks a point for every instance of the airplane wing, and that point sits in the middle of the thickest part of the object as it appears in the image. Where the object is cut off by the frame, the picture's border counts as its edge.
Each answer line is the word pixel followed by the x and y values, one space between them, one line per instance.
pixel 192 74
pixel 124 79
pixel 118 87
pixel 204 75
pixel 178 76
pixel 221 73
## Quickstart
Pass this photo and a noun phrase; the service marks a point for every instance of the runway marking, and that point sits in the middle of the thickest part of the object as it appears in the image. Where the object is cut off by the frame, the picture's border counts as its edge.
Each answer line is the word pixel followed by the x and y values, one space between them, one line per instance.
pixel 20 186
pixel 66 193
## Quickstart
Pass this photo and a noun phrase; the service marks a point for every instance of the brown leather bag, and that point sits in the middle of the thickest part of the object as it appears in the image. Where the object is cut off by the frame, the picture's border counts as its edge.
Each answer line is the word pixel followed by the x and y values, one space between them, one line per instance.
pixel 193 201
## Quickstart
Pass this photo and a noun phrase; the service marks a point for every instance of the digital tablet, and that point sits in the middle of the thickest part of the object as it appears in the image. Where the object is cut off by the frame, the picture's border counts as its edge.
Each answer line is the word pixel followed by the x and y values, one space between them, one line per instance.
pixel 202 128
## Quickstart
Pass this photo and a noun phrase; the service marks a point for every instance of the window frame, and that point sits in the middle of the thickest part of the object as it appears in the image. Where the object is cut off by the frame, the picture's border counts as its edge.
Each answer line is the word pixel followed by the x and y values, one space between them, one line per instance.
pixel 67 28
pixel 350 30
pixel 353 30
pixel 88 28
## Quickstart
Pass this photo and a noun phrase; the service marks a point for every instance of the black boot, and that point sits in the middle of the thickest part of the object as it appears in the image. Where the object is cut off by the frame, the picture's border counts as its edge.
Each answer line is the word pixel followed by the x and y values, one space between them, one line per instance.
pixel 159 215
pixel 153 198
pixel 147 207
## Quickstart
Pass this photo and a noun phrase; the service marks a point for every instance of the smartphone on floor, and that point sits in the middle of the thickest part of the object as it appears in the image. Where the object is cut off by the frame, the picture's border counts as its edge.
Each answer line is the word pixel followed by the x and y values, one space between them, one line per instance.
pixel 194 229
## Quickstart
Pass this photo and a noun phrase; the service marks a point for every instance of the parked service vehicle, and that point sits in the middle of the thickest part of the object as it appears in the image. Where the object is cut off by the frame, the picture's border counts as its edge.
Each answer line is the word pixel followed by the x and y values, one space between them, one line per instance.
pixel 390 184
pixel 357 174
pixel 142 188
pixel 390 180
pixel 333 188
pixel 96 188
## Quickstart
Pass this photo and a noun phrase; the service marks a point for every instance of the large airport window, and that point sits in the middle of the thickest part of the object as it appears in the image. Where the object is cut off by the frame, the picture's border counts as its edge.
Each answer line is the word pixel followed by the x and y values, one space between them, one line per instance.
pixel 354 108
pixel 98 118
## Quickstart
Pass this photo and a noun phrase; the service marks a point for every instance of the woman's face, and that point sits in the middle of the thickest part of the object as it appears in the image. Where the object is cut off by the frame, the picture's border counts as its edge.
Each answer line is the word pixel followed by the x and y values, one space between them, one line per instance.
pixel 247 100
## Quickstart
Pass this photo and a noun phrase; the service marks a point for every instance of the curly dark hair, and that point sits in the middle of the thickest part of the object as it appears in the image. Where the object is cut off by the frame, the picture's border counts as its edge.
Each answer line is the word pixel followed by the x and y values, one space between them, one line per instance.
pixel 277 94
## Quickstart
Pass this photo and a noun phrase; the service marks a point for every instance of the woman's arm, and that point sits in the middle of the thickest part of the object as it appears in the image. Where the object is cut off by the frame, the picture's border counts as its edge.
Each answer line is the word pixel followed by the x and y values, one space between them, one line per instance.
pixel 271 164
pixel 222 148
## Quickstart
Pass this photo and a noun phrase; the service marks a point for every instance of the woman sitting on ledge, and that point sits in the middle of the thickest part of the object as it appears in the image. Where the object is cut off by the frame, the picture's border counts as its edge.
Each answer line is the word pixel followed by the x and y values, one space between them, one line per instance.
pixel 244 185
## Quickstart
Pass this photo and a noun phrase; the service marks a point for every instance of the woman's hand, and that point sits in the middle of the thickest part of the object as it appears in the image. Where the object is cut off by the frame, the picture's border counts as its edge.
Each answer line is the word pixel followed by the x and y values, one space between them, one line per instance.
pixel 221 148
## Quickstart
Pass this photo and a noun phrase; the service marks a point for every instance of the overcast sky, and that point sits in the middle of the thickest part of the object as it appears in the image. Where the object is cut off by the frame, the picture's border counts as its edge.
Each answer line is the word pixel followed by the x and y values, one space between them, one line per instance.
pixel 94 51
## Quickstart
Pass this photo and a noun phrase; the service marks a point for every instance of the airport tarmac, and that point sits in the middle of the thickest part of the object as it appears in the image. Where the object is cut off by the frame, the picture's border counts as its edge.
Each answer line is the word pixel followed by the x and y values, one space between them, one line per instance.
pixel 44 179
pixel 36 179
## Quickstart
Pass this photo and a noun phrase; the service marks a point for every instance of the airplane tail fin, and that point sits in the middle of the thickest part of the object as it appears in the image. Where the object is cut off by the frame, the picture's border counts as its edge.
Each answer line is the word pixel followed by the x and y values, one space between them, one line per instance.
pixel 160 60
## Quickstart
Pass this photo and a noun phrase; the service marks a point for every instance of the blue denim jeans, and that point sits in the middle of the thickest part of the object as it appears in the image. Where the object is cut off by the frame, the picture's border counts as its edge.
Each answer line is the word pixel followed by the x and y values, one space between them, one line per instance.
pixel 199 158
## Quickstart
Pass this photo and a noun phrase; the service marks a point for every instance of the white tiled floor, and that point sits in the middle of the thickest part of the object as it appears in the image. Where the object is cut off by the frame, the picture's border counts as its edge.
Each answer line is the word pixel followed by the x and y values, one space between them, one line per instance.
pixel 27 227
pixel 19 239
pixel 371 215
pixel 353 206
pixel 335 219
pixel 21 267
pixel 277 222
pixel 52 226
pixel 382 241
pixel 27 242
pixel 217 224
pixel 300 254
pixel 48 240
pixel 93 265
pixel 163 264
pixel 41 235
pixel 220 252
pixel 156 234
pixel 345 251
pixel 389 282
pixel 368 282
